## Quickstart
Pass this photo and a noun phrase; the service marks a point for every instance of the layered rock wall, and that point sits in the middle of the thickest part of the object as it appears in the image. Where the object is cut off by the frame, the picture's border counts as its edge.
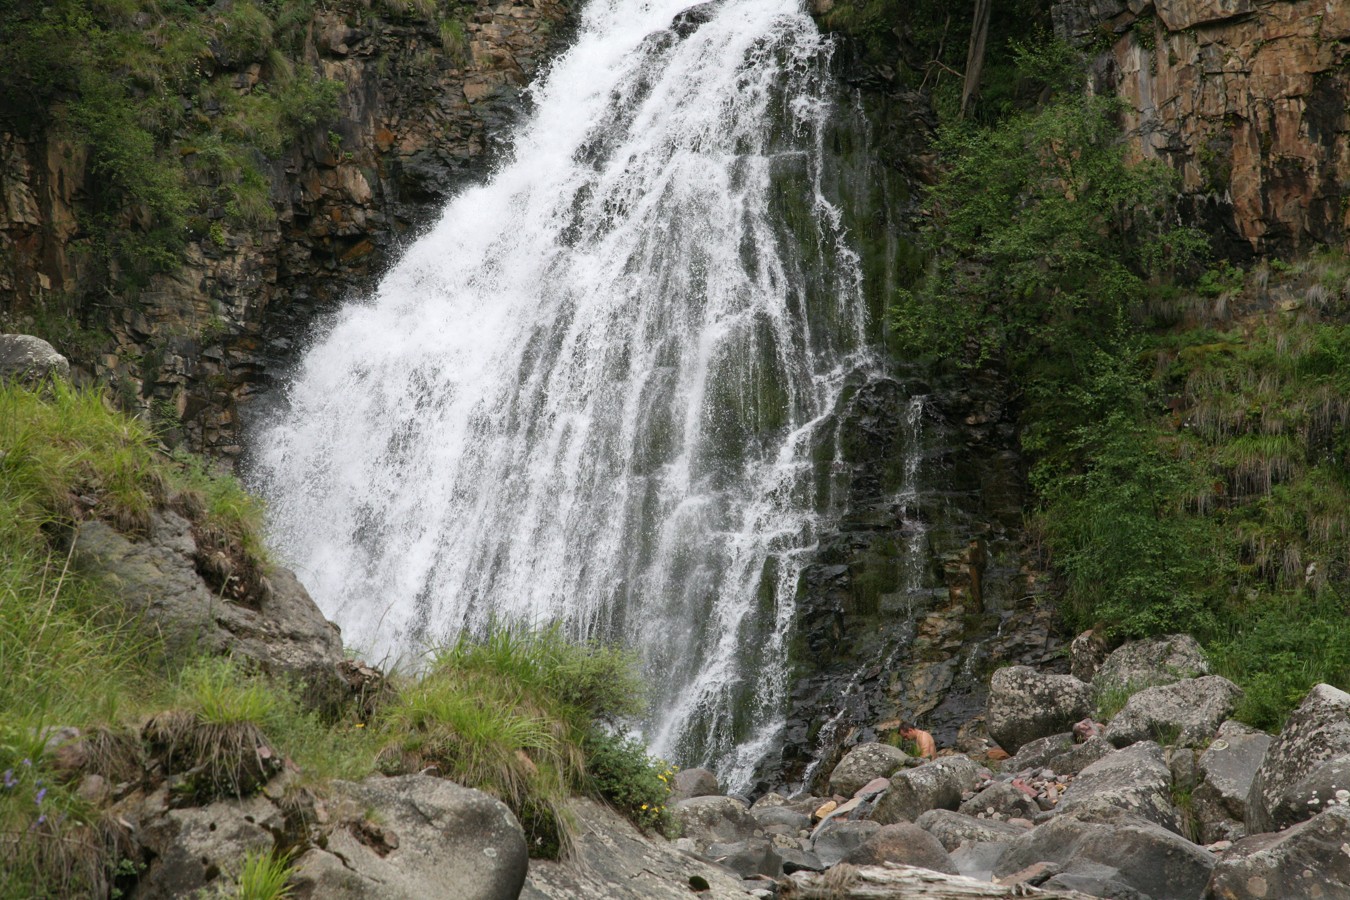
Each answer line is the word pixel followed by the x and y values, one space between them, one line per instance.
pixel 1246 99
pixel 418 115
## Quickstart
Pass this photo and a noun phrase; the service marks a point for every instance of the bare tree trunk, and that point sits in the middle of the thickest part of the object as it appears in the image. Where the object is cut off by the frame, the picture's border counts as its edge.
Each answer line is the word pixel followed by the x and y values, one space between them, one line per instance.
pixel 897 882
pixel 979 37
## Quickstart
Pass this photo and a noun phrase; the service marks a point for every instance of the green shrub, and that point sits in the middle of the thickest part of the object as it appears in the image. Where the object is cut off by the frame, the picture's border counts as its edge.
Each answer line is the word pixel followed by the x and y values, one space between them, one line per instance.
pixel 638 785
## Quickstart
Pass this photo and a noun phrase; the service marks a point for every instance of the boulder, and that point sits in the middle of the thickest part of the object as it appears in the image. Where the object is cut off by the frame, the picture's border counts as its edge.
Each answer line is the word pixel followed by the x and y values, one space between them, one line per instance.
pixel 748 858
pixel 201 847
pixel 610 858
pixel 863 764
pixel 952 829
pixel 1226 771
pixel 1143 856
pixel 1025 704
pixel 780 816
pixel 1151 662
pixel 1309 859
pixel 1087 652
pixel 977 860
pixel 1135 780
pixel 694 783
pixel 1306 764
pixel 30 360
pixel 411 836
pixel 1000 801
pixel 798 860
pixel 714 820
pixel 937 785
pixel 1038 753
pixel 1185 713
pixel 902 843
pixel 158 581
pixel 836 841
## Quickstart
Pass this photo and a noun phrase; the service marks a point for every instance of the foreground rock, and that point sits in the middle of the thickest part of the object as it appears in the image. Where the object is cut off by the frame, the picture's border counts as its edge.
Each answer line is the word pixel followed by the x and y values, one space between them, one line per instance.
pixel 1185 713
pixel 896 882
pixel 1110 858
pixel 157 578
pixel 694 783
pixel 1226 770
pixel 1310 859
pixel 612 859
pixel 1025 705
pixel 29 360
pixel 1306 765
pixel 191 848
pixel 1152 662
pixel 952 829
pixel 412 837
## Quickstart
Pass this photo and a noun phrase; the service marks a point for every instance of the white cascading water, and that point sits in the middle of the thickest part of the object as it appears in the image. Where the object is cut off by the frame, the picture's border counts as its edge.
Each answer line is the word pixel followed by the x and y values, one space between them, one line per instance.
pixel 591 393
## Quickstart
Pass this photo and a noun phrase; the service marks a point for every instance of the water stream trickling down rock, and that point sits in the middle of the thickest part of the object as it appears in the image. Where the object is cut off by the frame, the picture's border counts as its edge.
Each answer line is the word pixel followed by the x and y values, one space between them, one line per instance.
pixel 601 390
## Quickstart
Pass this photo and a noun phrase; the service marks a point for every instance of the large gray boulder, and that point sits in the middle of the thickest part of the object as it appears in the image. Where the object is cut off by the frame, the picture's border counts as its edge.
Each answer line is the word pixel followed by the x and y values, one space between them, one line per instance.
pixel 902 843
pixel 200 847
pixel 715 820
pixel 936 785
pixel 694 783
pixel 610 858
pixel 952 829
pixel 1142 856
pixel 1307 860
pixel 412 837
pixel 29 360
pixel 1025 705
pixel 1151 662
pixel 837 840
pixel 864 763
pixel 157 580
pixel 1059 753
pixel 748 858
pixel 1226 770
pixel 1135 780
pixel 1185 713
pixel 1306 765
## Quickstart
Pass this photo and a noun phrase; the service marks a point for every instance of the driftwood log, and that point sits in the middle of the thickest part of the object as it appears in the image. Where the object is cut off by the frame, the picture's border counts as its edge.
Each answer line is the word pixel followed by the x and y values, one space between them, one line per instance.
pixel 896 882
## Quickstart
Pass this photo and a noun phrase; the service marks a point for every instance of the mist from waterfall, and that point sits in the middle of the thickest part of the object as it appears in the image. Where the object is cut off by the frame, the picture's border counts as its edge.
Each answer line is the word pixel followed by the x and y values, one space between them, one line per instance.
pixel 596 392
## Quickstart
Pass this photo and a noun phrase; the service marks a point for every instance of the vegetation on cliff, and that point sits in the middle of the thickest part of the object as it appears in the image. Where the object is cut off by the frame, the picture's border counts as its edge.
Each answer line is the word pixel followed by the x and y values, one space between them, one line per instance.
pixel 1186 427
pixel 526 716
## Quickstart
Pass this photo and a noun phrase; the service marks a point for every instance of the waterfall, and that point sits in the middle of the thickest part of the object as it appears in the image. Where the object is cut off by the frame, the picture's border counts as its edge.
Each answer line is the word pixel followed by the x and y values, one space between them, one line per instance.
pixel 591 393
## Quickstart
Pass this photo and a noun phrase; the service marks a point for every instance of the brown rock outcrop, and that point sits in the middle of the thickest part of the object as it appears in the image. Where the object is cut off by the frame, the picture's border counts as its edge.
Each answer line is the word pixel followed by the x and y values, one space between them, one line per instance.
pixel 417 116
pixel 1245 98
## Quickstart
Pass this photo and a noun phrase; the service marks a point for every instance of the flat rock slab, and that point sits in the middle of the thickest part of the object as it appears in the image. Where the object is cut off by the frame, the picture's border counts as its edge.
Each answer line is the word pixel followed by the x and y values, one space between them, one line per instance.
pixel 952 829
pixel 897 882
pixel 433 834
pixel 612 859
pixel 1226 770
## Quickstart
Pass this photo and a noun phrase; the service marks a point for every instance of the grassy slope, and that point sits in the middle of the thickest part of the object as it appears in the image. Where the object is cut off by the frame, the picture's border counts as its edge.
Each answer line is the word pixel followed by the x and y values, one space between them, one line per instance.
pixel 525 716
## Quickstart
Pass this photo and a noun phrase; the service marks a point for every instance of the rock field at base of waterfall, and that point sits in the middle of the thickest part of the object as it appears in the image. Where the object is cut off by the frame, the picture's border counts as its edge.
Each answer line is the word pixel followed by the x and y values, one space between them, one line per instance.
pixel 1190 805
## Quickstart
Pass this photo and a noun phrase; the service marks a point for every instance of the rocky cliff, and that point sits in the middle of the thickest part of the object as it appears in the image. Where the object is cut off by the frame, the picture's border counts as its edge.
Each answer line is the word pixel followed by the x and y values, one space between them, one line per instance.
pixel 422 101
pixel 1245 98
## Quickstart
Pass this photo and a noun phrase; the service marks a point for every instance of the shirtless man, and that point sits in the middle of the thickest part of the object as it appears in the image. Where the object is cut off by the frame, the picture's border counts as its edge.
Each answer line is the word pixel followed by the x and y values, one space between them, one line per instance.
pixel 922 739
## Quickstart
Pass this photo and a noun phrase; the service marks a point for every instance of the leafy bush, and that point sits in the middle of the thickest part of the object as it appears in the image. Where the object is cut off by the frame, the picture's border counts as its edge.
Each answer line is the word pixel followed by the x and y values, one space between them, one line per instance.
pixel 638 785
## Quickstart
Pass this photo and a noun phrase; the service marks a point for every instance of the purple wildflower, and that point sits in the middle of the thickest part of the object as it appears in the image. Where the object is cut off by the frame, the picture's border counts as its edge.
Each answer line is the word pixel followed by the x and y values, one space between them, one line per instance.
pixel 40 795
pixel 10 780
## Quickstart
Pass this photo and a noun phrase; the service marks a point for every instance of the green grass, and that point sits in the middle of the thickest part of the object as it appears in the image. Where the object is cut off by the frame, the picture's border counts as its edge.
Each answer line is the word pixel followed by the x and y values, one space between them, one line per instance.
pixel 528 716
